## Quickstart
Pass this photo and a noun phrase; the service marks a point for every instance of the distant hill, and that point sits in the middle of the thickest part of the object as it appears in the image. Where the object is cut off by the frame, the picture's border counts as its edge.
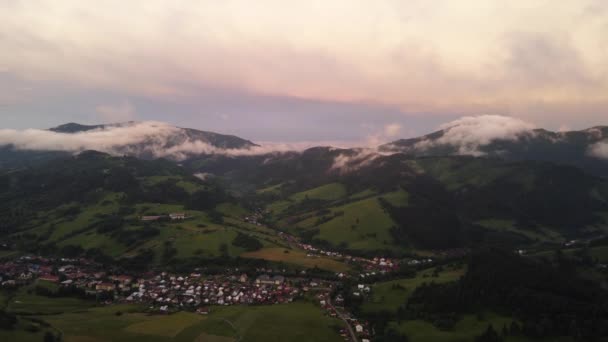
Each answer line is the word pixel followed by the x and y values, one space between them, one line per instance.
pixel 180 136
pixel 94 203
pixel 573 147
pixel 365 201
pixel 146 140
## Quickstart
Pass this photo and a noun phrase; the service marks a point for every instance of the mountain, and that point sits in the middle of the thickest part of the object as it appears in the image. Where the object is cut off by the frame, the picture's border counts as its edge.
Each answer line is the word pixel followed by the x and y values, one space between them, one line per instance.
pixel 572 148
pixel 94 203
pixel 179 135
pixel 73 127
pixel 146 140
pixel 366 202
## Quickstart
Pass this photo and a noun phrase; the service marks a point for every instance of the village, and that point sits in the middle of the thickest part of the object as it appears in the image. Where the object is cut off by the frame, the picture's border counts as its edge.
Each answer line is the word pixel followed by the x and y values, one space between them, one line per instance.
pixel 166 293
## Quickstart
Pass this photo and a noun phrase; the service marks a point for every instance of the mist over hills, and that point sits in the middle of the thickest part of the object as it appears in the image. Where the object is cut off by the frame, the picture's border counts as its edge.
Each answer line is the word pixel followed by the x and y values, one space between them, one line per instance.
pixel 510 139
pixel 178 136
pixel 147 140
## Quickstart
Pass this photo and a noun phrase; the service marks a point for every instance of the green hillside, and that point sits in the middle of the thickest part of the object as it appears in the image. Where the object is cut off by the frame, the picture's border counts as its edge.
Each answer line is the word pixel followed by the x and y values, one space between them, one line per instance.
pixel 397 204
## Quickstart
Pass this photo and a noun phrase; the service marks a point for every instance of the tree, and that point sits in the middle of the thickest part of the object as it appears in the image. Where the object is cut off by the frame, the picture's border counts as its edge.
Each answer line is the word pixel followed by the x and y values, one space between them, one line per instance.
pixel 49 337
pixel 490 335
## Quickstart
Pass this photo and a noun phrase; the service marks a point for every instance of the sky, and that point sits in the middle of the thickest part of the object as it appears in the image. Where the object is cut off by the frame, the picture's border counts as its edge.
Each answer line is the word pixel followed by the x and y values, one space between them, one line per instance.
pixel 289 71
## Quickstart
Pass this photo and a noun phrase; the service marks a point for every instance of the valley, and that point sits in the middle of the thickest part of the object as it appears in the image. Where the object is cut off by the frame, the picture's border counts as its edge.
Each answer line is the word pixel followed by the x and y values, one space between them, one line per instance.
pixel 354 244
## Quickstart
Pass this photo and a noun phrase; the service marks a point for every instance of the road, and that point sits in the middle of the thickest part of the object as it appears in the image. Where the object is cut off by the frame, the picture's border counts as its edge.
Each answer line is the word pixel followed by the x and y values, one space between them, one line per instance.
pixel 353 336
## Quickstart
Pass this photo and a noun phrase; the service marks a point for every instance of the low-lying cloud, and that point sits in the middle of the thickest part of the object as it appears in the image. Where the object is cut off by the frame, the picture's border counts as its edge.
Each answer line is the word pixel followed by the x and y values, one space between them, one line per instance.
pixel 348 162
pixel 599 150
pixel 469 133
pixel 149 139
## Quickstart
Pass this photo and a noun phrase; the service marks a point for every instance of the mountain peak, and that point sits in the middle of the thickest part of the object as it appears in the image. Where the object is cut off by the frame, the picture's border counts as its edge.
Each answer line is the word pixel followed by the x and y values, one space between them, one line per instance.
pixel 148 139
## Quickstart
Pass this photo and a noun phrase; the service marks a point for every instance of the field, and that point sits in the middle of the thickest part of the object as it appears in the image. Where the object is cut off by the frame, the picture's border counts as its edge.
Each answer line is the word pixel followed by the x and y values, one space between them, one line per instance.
pixel 389 295
pixel 188 186
pixel 364 224
pixel 24 300
pixel 357 222
pixel 328 192
pixel 297 257
pixel 600 253
pixel 544 235
pixel 168 326
pixel 464 331
pixel 292 322
pixel 455 175
pixel 299 322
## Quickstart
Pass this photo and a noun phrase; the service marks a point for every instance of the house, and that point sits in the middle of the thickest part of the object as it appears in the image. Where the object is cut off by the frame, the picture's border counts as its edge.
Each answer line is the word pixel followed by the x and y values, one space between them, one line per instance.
pixel 278 280
pixel 104 287
pixel 125 279
pixel 49 277
pixel 177 216
pixel 264 280
pixel 203 311
pixel 359 328
pixel 243 278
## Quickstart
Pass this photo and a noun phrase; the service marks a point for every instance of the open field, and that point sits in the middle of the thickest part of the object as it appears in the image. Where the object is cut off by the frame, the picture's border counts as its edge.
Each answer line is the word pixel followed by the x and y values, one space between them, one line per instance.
pixel 188 186
pixel 26 301
pixel 600 253
pixel 364 226
pixel 389 295
pixel 297 257
pixel 273 189
pixel 328 192
pixel 168 326
pixel 464 331
pixel 231 210
pixel 299 322
pixel 361 224
pixel 544 235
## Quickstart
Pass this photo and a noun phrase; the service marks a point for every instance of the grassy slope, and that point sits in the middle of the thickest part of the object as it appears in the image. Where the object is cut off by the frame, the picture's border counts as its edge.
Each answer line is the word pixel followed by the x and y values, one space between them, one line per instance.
pixel 292 322
pixel 24 300
pixel 386 298
pixel 298 258
pixel 363 226
pixel 464 331
pixel 327 192
pixel 544 235
pixel 600 253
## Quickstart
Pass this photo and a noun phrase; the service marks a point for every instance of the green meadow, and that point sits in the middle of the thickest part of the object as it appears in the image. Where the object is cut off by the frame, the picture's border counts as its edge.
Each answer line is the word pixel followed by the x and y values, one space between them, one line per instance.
pixel 299 321
pixel 390 295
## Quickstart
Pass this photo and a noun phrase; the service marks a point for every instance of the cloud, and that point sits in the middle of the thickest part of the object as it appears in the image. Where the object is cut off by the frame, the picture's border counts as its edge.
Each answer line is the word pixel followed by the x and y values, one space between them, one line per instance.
pixel 599 150
pixel 108 139
pixel 148 139
pixel 116 113
pixel 349 161
pixel 469 133
pixel 414 55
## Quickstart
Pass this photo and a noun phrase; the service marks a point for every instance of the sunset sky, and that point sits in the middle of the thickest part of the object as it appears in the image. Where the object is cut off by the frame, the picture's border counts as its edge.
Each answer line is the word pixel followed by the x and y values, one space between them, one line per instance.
pixel 281 70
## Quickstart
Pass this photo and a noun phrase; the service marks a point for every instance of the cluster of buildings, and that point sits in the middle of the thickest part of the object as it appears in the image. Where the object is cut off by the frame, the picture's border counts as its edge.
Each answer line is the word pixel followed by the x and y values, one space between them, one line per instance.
pixel 359 328
pixel 162 291
pixel 172 217
pixel 167 292
pixel 376 265
pixel 255 218
pixel 25 269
